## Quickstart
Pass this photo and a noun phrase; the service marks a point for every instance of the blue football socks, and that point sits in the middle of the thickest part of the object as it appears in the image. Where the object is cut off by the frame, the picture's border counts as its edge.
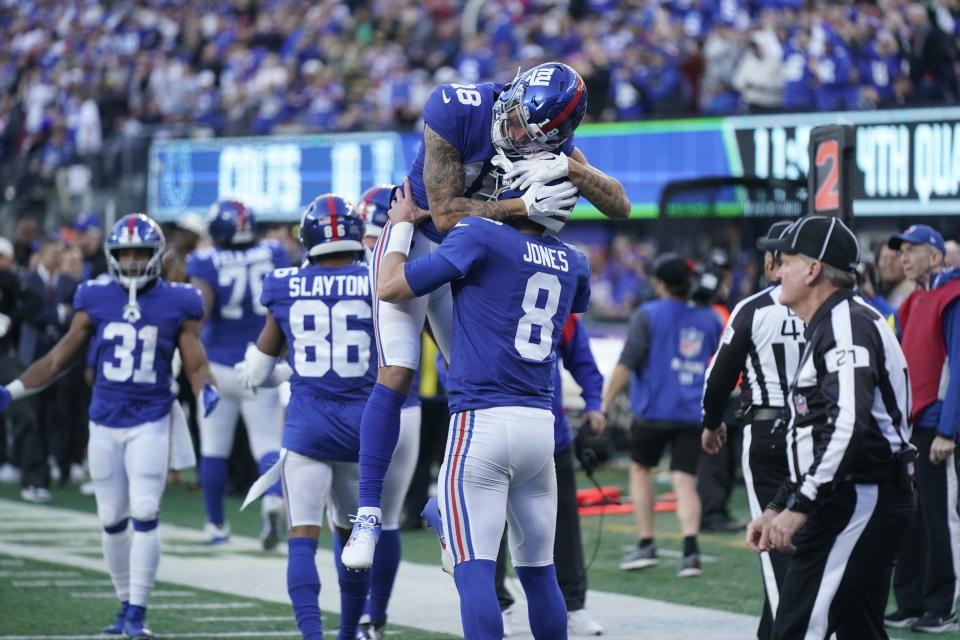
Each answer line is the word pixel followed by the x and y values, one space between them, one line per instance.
pixel 213 483
pixel 354 586
pixel 547 610
pixel 479 608
pixel 386 562
pixel 379 432
pixel 303 585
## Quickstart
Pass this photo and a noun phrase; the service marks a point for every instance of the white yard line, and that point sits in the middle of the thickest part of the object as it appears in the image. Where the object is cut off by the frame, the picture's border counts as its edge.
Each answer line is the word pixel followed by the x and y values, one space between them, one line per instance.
pixel 423 597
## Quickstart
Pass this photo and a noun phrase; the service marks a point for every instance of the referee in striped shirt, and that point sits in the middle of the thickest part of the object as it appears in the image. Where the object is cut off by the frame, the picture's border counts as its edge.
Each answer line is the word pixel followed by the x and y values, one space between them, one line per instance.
pixel 763 341
pixel 842 513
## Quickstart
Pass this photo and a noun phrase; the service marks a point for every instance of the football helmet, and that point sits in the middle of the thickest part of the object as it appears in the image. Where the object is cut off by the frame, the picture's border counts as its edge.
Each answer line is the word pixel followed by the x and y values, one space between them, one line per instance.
pixel 373 207
pixel 329 225
pixel 135 231
pixel 230 222
pixel 539 110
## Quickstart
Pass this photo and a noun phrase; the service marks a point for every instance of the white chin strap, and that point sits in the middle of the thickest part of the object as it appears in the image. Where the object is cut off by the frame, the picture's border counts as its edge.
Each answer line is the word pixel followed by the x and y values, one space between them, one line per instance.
pixel 131 310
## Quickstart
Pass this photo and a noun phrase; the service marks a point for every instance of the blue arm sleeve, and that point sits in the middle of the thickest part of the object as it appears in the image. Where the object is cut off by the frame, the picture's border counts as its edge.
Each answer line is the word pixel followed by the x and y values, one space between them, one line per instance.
pixel 429 272
pixel 950 413
pixel 579 361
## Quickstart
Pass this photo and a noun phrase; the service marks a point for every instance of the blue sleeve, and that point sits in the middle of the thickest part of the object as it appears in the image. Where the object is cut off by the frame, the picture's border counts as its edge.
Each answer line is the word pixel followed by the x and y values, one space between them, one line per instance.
pixel 193 303
pixel 950 413
pixel 441 113
pixel 429 272
pixel 579 361
pixel 198 267
pixel 581 299
pixel 281 258
pixel 81 298
pixel 465 247
pixel 266 292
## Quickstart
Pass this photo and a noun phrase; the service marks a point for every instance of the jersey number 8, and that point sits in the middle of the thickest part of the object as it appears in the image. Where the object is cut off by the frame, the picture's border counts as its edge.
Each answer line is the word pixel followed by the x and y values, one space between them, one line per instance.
pixel 312 322
pixel 534 316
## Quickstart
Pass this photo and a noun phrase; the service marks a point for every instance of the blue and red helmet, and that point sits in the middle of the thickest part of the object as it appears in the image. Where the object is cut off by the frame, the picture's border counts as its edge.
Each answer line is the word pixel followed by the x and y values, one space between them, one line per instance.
pixel 230 222
pixel 539 110
pixel 373 209
pixel 135 231
pixel 328 225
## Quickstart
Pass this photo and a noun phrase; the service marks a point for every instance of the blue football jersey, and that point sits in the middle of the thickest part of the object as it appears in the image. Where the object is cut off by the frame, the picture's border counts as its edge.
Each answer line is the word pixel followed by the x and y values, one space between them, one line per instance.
pixel 236 277
pixel 132 362
pixel 509 307
pixel 326 317
pixel 462 114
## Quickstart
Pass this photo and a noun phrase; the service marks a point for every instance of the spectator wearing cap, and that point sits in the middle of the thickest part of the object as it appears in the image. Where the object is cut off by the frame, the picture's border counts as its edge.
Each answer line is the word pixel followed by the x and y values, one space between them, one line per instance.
pixel 842 512
pixel 89 238
pixel 669 343
pixel 762 342
pixel 926 575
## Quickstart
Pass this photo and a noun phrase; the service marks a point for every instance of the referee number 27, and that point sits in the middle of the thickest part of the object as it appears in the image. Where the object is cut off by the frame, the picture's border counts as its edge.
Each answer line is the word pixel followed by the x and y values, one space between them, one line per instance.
pixel 536 316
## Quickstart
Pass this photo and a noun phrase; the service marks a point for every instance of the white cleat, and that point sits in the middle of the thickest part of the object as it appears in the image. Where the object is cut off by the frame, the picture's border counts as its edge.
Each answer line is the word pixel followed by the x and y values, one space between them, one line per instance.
pixel 9 474
pixel 431 513
pixel 359 550
pixel 507 615
pixel 581 623
pixel 212 534
pixel 271 530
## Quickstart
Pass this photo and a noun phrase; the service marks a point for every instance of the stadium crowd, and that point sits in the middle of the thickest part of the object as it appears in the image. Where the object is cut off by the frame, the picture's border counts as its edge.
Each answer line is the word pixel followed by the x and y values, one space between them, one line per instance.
pixel 75 73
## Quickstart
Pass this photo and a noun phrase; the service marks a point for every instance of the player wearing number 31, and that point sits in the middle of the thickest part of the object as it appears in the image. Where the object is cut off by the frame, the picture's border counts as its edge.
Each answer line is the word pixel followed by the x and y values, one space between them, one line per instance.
pixel 137 430
pixel 513 289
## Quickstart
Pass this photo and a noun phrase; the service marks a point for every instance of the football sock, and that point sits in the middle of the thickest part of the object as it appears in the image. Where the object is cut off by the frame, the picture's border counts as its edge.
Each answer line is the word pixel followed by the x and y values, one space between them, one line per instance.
pixel 479 608
pixel 144 560
pixel 379 432
pixel 690 545
pixel 386 562
pixel 303 586
pixel 354 586
pixel 115 542
pixel 213 483
pixel 646 542
pixel 264 464
pixel 547 611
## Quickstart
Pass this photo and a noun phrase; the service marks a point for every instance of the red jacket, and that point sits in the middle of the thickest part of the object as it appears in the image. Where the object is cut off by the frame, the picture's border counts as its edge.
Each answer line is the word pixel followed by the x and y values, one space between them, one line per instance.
pixel 921 315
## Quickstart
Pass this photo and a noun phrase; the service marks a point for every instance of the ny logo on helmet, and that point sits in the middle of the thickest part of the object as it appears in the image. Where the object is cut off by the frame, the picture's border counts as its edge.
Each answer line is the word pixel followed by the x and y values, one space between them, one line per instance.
pixel 542 77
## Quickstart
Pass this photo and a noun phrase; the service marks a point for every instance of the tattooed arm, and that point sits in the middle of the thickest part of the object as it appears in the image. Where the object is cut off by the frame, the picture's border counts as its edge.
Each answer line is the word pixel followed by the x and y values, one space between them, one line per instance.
pixel 603 192
pixel 443 180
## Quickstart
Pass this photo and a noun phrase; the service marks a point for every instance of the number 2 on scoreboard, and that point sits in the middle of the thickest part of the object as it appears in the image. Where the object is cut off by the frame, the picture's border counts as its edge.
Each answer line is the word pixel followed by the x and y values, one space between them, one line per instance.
pixel 827 197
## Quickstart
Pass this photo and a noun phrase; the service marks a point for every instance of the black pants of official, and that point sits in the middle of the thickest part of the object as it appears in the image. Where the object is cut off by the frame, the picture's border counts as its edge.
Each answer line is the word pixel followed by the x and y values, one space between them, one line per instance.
pixel 567 547
pixel 924 580
pixel 764 466
pixel 716 477
pixel 838 578
pixel 70 426
pixel 28 450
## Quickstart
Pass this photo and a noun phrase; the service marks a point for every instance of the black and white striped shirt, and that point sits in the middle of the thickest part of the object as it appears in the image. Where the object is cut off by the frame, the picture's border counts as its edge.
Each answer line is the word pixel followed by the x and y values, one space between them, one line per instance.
pixel 850 402
pixel 763 340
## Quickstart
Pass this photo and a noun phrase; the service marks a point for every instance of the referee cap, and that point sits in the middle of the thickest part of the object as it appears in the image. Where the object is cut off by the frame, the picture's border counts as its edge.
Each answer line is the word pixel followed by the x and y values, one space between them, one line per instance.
pixel 823 238
pixel 773 234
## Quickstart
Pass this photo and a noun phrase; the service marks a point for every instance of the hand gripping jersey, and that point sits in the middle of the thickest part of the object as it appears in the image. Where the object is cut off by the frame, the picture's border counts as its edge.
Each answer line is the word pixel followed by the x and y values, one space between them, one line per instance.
pixel 462 114
pixel 236 277
pixel 512 294
pixel 132 362
pixel 326 318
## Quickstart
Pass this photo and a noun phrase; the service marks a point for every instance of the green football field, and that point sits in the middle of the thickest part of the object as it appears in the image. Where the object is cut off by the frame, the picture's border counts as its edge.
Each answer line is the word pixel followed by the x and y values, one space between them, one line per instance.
pixel 44 595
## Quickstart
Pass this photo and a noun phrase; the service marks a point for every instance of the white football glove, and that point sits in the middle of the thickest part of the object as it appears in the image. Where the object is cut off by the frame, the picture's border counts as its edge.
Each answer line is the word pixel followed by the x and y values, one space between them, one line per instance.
pixel 543 199
pixel 543 167
pixel 255 367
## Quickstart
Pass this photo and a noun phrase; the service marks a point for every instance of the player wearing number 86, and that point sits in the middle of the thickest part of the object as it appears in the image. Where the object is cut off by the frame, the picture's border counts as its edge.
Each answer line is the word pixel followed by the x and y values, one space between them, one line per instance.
pixel 230 276
pixel 136 428
pixel 513 289
pixel 321 312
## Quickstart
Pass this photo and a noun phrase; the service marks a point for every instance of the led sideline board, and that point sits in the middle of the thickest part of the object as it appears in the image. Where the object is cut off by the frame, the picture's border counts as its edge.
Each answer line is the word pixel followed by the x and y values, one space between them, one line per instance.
pixel 906 162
